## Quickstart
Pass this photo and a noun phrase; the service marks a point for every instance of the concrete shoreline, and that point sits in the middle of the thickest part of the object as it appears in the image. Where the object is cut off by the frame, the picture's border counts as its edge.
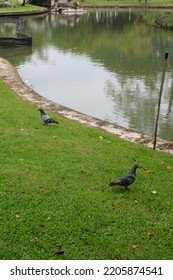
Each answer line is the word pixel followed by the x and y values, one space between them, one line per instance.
pixel 11 77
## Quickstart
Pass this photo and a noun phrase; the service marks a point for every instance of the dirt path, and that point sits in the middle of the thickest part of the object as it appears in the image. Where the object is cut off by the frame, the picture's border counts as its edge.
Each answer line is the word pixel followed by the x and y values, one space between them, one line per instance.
pixel 10 76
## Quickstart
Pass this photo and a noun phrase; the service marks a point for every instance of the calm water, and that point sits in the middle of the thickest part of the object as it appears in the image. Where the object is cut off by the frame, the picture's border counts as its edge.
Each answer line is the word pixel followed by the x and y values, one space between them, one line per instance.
pixel 107 64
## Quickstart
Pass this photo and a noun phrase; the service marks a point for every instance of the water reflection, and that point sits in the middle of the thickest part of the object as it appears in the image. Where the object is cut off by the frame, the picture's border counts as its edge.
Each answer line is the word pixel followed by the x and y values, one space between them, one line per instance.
pixel 107 64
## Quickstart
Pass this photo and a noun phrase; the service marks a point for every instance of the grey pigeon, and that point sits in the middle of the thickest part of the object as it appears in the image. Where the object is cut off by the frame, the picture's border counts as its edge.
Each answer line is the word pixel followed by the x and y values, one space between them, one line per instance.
pixel 45 118
pixel 127 180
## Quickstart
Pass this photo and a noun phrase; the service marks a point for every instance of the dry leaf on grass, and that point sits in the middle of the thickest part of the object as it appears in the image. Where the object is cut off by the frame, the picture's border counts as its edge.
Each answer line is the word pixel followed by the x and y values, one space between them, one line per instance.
pixel 135 246
pixel 17 217
pixel 169 167
pixel 153 192
pixel 150 233
pixel 59 245
pixel 59 253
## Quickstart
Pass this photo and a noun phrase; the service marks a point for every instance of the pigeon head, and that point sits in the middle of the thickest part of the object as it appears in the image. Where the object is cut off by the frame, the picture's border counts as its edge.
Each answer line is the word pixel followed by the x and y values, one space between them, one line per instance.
pixel 41 111
pixel 133 170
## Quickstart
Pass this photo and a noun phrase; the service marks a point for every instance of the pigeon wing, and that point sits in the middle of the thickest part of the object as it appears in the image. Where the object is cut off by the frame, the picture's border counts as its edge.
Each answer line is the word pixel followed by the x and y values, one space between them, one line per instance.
pixel 46 118
pixel 128 180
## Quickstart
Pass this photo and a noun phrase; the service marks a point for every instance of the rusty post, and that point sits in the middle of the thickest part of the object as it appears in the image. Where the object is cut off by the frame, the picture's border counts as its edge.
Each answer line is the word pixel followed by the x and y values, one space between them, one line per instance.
pixel 159 101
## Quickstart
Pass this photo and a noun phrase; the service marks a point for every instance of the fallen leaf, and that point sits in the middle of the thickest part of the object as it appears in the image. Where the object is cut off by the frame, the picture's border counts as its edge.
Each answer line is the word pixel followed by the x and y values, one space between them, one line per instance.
pixel 82 238
pixel 162 162
pixel 31 240
pixel 59 245
pixel 153 192
pixel 59 253
pixel 135 246
pixel 148 171
pixel 101 137
pixel 169 167
pixel 151 233
pixel 17 217
pixel 41 225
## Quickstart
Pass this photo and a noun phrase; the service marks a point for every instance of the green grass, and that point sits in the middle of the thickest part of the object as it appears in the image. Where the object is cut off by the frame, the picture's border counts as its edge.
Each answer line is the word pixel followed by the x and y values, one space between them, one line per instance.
pixel 53 190
pixel 20 8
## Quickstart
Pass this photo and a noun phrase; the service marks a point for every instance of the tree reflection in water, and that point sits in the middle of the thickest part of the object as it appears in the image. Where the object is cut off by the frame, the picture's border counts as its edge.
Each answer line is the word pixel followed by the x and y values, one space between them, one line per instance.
pixel 110 58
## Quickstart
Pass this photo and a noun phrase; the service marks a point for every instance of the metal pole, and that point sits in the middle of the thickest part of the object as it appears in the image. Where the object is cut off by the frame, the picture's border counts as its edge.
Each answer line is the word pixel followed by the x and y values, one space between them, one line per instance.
pixel 159 102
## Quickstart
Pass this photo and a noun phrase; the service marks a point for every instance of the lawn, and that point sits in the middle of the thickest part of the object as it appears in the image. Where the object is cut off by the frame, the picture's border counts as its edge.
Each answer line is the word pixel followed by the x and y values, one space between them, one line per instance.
pixel 54 194
pixel 20 8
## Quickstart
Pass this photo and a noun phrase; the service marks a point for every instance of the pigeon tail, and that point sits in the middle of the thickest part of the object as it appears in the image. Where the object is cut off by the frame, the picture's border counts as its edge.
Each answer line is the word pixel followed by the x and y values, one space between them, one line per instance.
pixel 116 183
pixel 51 121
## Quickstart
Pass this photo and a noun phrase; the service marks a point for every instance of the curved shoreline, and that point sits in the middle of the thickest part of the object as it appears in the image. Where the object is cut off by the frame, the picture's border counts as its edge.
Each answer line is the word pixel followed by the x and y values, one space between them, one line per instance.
pixel 11 77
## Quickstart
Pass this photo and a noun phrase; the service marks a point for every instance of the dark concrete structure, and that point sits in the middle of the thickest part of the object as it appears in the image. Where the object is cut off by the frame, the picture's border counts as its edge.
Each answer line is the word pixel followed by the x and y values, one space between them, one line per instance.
pixel 43 3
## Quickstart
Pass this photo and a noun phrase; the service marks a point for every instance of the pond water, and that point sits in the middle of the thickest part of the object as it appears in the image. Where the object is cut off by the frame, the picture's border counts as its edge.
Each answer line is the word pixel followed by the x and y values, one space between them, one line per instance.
pixel 107 64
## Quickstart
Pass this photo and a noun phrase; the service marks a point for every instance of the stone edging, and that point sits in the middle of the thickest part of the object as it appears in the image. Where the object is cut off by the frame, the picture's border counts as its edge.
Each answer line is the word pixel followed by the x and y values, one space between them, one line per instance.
pixel 11 77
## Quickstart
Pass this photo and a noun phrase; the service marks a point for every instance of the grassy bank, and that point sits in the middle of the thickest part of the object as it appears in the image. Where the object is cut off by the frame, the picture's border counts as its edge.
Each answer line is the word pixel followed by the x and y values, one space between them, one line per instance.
pixel 20 8
pixel 54 193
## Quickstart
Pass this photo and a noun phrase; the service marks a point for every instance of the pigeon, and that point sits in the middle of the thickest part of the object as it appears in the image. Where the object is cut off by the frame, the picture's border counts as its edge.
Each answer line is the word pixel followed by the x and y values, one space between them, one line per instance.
pixel 45 118
pixel 127 180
